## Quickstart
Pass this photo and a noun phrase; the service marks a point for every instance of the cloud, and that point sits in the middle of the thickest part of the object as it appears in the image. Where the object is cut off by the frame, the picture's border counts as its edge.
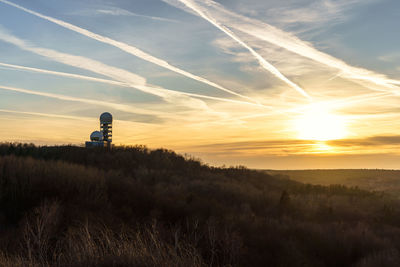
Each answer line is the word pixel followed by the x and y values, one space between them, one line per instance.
pixel 268 33
pixel 311 14
pixel 127 48
pixel 264 63
pixel 373 141
pixel 391 57
pixel 291 146
pixel 252 147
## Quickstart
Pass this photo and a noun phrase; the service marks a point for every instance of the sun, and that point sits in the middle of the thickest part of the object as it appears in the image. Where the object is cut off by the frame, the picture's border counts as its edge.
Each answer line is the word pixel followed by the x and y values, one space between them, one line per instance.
pixel 318 123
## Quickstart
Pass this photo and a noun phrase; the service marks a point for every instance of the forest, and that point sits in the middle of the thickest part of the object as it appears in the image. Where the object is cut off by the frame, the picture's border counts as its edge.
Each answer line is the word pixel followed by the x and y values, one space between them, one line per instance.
pixel 134 206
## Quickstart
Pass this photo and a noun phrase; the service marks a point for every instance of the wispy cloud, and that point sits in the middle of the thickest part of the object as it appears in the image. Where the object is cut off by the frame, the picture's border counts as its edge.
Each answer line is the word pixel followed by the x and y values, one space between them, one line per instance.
pixel 390 57
pixel 373 141
pixel 284 147
pixel 251 145
pixel 264 63
pixel 268 33
pixel 311 14
pixel 127 48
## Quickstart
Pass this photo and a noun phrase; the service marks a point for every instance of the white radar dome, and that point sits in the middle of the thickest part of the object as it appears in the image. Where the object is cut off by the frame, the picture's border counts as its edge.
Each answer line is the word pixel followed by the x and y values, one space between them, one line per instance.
pixel 96 136
pixel 106 118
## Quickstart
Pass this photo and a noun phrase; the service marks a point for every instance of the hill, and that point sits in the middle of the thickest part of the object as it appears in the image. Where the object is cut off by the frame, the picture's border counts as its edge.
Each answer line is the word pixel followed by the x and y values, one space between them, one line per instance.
pixel 131 206
pixel 368 179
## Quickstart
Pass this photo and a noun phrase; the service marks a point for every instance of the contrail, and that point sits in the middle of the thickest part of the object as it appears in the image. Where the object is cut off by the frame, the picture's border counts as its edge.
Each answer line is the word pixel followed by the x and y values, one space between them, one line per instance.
pixel 120 107
pixel 48 115
pixel 127 48
pixel 63 74
pixel 134 81
pixel 122 84
pixel 227 100
pixel 116 106
pixel 265 64
pixel 122 12
pixel 75 61
pixel 67 117
pixel 268 33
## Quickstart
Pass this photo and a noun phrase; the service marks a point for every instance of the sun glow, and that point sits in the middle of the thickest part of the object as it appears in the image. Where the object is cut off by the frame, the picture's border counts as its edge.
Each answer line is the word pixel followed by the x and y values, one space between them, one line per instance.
pixel 318 123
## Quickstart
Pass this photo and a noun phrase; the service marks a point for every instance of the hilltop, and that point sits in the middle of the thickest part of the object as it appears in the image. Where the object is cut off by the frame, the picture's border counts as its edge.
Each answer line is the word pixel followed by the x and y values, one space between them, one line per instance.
pixel 132 206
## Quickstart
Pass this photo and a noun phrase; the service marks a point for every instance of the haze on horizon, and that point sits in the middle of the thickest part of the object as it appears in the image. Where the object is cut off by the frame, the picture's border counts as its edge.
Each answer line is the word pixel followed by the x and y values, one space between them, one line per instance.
pixel 292 84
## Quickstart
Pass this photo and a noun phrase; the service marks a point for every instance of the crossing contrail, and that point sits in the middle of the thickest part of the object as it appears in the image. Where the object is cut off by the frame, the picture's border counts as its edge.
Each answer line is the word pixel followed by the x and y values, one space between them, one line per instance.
pixel 264 63
pixel 268 33
pixel 127 48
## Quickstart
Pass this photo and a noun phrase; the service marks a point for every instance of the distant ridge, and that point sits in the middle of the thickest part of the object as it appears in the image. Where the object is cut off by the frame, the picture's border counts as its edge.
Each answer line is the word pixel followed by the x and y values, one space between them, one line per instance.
pixel 368 179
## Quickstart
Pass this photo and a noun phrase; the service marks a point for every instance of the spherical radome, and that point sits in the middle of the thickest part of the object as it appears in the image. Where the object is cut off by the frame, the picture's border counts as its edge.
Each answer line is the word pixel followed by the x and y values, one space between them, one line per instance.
pixel 106 118
pixel 96 136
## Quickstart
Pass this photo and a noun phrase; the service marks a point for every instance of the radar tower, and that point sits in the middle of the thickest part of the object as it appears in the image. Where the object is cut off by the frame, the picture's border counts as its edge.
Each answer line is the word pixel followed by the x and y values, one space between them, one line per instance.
pixel 106 128
pixel 102 138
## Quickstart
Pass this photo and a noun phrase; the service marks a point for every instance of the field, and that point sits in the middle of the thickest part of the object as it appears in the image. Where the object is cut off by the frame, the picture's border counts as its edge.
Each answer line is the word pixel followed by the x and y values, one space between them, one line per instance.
pixel 132 206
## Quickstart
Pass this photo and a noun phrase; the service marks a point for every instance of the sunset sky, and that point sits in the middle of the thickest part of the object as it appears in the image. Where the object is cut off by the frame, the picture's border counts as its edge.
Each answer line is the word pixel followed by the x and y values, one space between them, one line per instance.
pixel 267 84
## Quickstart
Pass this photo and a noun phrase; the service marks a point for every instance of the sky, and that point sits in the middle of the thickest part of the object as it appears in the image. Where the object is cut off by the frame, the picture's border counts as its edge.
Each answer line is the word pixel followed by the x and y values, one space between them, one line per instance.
pixel 267 84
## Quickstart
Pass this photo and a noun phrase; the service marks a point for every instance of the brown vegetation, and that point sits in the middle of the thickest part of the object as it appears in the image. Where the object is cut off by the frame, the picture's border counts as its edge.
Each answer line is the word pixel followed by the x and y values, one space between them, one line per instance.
pixel 68 206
